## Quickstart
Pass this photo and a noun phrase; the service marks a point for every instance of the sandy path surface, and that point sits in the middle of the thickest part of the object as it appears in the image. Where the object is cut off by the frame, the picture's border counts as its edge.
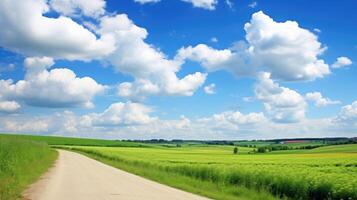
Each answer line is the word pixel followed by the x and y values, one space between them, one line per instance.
pixel 76 177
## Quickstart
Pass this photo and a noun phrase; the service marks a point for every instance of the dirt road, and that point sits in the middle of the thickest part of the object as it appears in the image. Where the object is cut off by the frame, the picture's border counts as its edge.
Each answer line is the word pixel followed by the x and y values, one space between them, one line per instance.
pixel 76 177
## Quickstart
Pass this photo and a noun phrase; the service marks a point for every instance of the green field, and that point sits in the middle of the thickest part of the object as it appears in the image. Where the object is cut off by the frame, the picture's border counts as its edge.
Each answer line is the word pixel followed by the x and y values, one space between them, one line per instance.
pixel 348 148
pixel 305 174
pixel 53 140
pixel 21 163
pixel 327 172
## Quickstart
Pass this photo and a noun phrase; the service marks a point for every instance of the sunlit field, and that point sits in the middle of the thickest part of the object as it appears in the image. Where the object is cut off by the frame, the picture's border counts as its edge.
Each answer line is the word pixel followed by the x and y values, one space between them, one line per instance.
pixel 323 173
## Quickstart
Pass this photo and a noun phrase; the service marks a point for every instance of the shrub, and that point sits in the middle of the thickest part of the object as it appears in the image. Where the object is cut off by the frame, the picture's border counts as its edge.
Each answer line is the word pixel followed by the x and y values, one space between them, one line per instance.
pixel 235 150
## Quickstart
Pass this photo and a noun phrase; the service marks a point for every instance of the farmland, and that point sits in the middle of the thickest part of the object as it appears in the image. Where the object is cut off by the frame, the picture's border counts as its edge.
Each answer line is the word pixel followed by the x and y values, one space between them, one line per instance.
pixel 21 163
pixel 305 174
pixel 205 168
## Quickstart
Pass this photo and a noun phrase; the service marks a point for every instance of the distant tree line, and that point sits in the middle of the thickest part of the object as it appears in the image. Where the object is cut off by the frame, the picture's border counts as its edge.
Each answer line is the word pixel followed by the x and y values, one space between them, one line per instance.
pixel 269 147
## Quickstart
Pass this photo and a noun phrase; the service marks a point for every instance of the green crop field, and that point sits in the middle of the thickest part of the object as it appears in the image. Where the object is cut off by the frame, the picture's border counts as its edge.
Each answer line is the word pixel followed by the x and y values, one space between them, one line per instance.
pixel 21 163
pixel 326 173
pixel 348 148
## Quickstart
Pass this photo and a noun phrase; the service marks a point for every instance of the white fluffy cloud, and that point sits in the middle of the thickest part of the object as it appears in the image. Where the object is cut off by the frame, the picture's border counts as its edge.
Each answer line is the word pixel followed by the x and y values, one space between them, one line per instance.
pixel 63 123
pixel 121 114
pixel 154 73
pixel 9 106
pixel 348 114
pixel 209 58
pixel 284 49
pixel 30 33
pixel 134 121
pixel 55 88
pixel 91 8
pixel 229 124
pixel 342 62
pixel 206 4
pixel 235 118
pixel 281 104
pixel 120 42
pixel 28 126
pixel 319 100
pixel 210 89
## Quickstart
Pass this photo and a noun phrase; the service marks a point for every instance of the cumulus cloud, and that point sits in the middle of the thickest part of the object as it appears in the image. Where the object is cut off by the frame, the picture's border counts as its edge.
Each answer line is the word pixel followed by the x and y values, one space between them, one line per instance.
pixel 121 43
pixel 154 73
pixel 64 123
pixel 9 106
pixel 210 89
pixel 55 88
pixel 342 62
pixel 235 118
pixel 209 58
pixel 282 104
pixel 28 126
pixel 319 100
pixel 31 33
pixel 206 4
pixel 121 114
pixel 284 49
pixel 92 8
pixel 134 121
pixel 140 124
pixel 348 114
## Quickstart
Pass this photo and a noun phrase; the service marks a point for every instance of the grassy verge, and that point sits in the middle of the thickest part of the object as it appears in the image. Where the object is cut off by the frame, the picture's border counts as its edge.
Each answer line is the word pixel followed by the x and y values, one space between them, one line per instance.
pixel 21 163
pixel 212 189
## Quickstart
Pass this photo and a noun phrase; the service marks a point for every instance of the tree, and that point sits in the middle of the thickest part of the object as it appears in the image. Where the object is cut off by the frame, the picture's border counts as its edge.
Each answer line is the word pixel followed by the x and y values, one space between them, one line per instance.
pixel 261 149
pixel 235 150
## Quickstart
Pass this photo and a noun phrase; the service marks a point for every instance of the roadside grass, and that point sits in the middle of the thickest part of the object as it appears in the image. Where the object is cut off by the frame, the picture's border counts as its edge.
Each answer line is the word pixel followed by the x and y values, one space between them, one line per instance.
pixel 294 176
pixel 21 163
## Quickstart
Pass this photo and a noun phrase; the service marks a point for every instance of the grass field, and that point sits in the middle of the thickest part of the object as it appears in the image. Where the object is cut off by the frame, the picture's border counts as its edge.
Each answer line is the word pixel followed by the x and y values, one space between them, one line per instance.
pixel 306 174
pixel 52 140
pixel 21 163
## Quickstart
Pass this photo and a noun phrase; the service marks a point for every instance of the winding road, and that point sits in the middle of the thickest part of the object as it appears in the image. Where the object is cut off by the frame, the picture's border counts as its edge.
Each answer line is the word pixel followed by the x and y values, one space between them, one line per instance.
pixel 77 177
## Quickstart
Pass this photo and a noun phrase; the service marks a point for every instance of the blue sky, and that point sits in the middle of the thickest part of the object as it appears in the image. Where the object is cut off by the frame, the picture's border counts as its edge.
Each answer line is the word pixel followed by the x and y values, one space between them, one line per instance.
pixel 191 69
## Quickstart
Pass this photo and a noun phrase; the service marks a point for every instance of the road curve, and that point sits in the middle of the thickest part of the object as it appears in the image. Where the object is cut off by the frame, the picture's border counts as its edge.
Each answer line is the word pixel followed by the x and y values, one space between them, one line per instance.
pixel 77 177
